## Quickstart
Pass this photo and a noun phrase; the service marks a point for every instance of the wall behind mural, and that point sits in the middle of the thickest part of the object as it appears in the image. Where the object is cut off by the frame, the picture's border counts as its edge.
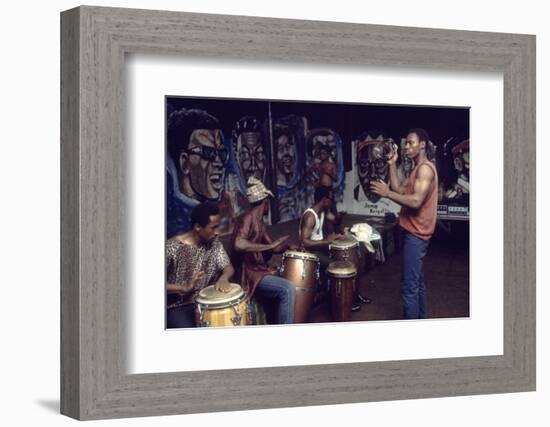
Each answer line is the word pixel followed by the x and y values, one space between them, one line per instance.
pixel 213 146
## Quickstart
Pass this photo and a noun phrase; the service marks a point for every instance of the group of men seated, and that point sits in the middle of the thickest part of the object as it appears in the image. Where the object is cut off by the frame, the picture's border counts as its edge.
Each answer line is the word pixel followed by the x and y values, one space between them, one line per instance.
pixel 197 258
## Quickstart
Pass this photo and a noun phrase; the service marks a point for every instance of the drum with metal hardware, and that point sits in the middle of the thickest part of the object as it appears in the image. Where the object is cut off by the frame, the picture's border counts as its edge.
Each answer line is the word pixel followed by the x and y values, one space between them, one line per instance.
pixel 302 269
pixel 341 277
pixel 215 308
pixel 346 248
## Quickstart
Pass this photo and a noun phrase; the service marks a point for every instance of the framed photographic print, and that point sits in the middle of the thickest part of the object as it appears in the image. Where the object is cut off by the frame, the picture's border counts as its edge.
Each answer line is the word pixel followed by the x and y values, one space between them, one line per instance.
pixel 176 125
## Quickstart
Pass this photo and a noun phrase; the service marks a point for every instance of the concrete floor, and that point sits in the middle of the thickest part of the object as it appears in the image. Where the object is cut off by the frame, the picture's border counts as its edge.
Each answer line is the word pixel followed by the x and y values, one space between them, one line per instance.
pixel 446 269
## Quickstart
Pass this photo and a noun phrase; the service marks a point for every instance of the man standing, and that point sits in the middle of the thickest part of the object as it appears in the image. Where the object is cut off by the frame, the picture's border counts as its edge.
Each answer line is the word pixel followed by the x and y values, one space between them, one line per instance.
pixel 418 199
pixel 250 242
pixel 194 260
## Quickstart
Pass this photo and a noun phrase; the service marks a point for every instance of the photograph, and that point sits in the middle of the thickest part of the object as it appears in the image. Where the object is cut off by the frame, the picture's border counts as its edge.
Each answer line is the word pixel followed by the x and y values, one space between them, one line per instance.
pixel 284 212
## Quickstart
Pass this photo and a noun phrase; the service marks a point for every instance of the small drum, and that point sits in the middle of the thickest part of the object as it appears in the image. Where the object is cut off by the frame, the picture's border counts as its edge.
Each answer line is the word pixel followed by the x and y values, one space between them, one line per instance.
pixel 341 276
pixel 345 249
pixel 214 308
pixel 302 269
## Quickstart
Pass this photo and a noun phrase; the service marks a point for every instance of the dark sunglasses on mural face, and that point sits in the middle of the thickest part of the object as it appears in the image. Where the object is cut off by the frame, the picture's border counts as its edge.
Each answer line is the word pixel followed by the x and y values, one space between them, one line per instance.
pixel 209 153
pixel 364 161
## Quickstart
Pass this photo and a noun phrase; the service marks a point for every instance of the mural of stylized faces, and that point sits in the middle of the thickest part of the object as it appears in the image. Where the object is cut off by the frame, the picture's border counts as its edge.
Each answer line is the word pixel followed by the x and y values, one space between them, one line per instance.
pixel 372 165
pixel 251 155
pixel 195 145
pixel 286 158
pixel 203 163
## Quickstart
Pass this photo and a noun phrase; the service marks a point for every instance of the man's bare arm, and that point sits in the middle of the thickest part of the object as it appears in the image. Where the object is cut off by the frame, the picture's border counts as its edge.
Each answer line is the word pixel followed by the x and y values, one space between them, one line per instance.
pixel 424 179
pixel 306 231
pixel 394 180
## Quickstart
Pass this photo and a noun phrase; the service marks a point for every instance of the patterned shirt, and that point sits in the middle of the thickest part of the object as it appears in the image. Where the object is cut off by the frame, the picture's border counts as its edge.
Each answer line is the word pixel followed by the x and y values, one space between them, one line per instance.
pixel 183 261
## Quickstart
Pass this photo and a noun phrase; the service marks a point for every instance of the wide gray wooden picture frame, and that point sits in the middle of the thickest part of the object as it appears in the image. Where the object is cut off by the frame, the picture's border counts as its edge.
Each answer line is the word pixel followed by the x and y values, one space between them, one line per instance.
pixel 94 41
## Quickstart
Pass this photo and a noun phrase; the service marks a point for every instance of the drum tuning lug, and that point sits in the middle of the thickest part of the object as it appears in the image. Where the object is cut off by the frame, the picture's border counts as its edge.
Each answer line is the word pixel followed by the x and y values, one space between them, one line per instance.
pixel 236 320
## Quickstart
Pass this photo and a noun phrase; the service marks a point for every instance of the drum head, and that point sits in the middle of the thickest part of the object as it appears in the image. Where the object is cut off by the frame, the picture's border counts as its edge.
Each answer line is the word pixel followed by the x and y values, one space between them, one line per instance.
pixel 308 256
pixel 210 295
pixel 345 242
pixel 342 269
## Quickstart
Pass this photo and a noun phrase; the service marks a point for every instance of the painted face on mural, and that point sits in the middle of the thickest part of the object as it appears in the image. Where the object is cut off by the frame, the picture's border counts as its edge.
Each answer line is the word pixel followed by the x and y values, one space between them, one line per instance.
pixel 286 158
pixel 206 162
pixel 324 147
pixel 251 155
pixel 372 165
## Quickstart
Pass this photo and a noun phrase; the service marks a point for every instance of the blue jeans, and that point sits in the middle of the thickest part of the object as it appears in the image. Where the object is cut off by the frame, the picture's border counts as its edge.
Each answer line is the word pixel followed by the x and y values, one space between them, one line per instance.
pixel 280 291
pixel 181 317
pixel 413 289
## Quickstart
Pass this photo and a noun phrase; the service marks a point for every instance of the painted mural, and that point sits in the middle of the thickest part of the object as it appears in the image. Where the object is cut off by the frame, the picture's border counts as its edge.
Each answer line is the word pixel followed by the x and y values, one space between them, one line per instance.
pixel 324 163
pixel 214 145
pixel 370 150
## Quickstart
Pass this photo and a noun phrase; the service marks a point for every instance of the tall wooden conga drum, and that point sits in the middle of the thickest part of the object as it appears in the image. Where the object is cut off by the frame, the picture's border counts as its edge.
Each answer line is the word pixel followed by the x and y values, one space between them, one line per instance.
pixel 341 277
pixel 346 248
pixel 214 308
pixel 302 269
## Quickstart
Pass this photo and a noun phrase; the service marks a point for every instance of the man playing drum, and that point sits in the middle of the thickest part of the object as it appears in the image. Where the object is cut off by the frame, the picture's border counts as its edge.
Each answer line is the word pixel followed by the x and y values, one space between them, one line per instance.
pixel 250 241
pixel 311 231
pixel 194 260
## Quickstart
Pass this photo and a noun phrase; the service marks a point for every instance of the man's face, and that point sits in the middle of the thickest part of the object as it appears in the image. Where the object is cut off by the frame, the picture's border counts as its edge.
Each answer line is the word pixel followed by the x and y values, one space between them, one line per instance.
pixel 267 205
pixel 286 156
pixel 413 146
pixel 211 230
pixel 324 147
pixel 250 155
pixel 372 166
pixel 206 164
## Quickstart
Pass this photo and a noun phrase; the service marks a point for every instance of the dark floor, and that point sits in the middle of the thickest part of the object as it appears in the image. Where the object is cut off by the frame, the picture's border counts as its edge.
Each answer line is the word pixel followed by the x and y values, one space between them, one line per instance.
pixel 446 270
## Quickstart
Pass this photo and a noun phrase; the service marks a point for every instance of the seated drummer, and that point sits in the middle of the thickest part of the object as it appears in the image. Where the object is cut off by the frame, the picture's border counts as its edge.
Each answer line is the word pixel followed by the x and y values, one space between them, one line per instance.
pixel 312 223
pixel 194 260
pixel 311 231
pixel 250 242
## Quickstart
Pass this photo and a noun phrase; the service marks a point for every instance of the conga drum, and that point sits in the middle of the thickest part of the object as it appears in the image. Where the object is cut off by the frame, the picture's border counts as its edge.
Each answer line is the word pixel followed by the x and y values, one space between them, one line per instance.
pixel 345 248
pixel 302 269
pixel 341 277
pixel 214 308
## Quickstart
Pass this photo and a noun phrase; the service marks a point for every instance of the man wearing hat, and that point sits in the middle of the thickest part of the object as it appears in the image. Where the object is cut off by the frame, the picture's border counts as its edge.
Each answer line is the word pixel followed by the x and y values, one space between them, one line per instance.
pixel 250 242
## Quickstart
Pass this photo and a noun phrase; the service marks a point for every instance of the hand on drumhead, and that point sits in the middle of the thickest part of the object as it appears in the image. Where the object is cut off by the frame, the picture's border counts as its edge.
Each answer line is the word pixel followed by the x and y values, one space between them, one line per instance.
pixel 333 236
pixel 277 245
pixel 222 285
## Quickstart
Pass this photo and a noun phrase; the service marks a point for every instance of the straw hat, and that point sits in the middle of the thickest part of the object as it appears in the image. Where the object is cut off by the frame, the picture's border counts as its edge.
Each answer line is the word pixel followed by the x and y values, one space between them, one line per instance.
pixel 256 190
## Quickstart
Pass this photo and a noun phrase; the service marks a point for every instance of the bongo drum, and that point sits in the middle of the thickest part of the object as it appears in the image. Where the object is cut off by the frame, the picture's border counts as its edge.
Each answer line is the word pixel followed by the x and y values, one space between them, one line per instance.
pixel 302 269
pixel 341 276
pixel 215 308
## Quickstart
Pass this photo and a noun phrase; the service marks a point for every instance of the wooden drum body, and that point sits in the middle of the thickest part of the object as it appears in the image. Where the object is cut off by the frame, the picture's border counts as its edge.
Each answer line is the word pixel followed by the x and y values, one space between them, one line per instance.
pixel 302 269
pixel 345 249
pixel 341 276
pixel 214 308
